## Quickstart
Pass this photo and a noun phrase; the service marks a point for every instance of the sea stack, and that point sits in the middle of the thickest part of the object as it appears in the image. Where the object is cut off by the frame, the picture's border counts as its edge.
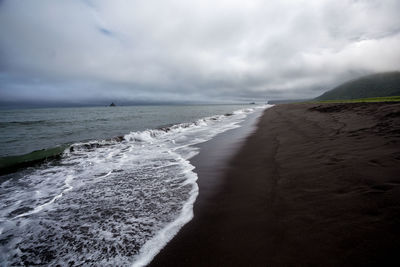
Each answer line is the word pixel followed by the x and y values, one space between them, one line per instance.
pixel 112 105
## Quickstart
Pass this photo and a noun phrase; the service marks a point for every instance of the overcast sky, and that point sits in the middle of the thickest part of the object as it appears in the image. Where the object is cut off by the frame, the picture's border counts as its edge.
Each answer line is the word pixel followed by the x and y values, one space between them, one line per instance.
pixel 191 50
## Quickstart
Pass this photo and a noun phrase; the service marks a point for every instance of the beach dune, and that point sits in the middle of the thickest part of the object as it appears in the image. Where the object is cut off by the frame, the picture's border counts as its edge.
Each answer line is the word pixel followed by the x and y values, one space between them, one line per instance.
pixel 315 184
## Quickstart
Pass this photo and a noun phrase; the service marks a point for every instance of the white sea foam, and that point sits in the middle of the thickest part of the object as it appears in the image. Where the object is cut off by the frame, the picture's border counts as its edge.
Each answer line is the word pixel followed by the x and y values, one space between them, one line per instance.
pixel 106 202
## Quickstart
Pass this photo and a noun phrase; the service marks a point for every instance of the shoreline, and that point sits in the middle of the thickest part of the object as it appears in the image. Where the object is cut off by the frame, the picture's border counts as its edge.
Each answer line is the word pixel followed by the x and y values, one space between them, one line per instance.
pixel 210 166
pixel 213 158
pixel 150 179
pixel 315 184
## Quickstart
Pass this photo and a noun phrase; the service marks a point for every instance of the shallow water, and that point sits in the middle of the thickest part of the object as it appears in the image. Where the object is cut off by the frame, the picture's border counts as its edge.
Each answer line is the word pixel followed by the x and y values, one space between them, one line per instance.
pixel 26 130
pixel 104 201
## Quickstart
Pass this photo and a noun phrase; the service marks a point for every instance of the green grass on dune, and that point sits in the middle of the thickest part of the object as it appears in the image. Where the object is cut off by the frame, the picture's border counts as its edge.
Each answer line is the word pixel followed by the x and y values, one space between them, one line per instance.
pixel 360 100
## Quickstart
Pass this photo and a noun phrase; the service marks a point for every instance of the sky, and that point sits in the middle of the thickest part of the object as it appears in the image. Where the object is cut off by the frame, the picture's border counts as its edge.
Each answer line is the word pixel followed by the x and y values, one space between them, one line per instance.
pixel 71 51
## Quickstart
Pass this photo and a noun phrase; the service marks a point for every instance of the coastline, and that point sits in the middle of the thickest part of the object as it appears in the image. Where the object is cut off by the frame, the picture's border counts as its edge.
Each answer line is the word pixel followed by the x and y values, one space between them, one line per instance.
pixel 209 166
pixel 315 184
pixel 147 196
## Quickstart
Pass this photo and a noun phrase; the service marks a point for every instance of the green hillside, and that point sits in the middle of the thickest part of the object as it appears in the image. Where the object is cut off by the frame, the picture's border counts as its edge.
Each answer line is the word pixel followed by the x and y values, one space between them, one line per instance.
pixel 375 85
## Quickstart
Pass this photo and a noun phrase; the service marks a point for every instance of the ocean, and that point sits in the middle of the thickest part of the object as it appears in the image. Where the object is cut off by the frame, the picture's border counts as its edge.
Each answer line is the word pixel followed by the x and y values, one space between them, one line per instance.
pixel 107 186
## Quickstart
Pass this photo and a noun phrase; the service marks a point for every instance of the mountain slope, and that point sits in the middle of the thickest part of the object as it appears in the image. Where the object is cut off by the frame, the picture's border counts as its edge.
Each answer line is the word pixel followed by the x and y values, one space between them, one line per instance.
pixel 375 85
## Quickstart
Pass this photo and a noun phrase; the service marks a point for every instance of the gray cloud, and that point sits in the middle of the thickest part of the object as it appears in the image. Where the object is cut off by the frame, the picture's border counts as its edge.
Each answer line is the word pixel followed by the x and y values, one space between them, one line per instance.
pixel 191 50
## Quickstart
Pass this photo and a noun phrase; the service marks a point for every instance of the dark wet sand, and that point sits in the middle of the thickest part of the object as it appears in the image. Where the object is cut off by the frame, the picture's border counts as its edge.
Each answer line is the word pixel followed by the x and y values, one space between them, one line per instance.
pixel 314 185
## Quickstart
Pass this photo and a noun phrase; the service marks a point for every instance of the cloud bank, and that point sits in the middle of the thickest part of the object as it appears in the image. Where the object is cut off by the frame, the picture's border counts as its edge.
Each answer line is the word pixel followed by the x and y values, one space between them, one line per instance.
pixel 199 50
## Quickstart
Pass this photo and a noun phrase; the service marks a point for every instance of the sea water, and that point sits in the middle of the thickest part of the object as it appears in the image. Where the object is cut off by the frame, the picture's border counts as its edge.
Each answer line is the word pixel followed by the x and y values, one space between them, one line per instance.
pixel 103 200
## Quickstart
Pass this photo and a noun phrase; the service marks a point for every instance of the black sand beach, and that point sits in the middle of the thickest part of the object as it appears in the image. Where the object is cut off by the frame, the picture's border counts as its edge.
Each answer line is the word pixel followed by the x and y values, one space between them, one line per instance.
pixel 315 184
